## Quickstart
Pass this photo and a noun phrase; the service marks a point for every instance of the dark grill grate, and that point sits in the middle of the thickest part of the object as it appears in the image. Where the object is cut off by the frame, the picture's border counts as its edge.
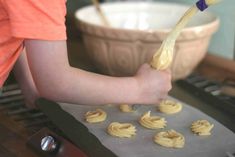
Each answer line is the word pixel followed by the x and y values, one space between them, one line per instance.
pixel 211 91
pixel 12 104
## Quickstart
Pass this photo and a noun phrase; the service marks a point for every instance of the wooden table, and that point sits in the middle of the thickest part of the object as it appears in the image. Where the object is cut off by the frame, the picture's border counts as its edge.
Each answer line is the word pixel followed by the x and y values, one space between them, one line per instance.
pixel 13 138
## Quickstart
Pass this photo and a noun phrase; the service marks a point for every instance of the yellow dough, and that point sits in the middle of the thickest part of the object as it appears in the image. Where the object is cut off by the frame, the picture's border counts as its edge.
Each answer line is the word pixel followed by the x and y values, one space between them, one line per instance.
pixel 121 129
pixel 201 127
pixel 126 108
pixel 95 116
pixel 171 139
pixel 170 107
pixel 153 122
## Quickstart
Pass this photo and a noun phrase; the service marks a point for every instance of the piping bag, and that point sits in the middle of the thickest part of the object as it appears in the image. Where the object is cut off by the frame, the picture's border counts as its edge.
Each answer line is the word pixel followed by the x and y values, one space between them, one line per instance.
pixel 162 59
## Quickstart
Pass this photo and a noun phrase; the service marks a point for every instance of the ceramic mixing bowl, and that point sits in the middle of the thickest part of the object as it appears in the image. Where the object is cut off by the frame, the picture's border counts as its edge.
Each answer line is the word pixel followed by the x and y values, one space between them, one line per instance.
pixel 137 31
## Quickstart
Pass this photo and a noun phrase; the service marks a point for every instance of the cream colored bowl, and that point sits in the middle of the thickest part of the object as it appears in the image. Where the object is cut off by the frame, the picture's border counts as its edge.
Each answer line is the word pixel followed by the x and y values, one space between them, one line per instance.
pixel 137 31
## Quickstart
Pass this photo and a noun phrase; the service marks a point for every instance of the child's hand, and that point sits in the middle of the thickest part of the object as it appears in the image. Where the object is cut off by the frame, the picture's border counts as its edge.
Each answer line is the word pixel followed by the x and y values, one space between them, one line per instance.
pixel 153 84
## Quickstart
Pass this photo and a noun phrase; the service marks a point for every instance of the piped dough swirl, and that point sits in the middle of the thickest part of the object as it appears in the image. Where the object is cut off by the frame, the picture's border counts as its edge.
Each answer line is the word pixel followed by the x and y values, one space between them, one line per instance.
pixel 121 129
pixel 152 122
pixel 95 116
pixel 126 108
pixel 201 127
pixel 170 138
pixel 170 107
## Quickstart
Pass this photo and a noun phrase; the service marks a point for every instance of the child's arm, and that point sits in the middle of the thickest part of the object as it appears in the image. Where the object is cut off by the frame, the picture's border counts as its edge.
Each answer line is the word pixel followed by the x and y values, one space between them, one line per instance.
pixel 44 22
pixel 25 80
pixel 57 80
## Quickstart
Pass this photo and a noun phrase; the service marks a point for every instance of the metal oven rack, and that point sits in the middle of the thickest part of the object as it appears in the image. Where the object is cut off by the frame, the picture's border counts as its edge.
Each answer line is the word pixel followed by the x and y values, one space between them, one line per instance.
pixel 211 91
pixel 12 104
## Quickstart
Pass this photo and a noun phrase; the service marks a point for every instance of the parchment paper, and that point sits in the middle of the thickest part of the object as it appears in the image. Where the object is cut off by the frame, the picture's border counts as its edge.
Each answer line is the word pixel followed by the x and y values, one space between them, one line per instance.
pixel 221 141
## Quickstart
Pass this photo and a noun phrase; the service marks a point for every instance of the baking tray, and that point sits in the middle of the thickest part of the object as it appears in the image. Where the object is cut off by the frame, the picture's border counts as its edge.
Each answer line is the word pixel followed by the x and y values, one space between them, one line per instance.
pixel 221 141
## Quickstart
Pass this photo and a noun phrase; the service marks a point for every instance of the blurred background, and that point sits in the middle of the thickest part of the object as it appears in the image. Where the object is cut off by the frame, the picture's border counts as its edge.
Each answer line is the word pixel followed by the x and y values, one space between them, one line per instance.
pixel 222 43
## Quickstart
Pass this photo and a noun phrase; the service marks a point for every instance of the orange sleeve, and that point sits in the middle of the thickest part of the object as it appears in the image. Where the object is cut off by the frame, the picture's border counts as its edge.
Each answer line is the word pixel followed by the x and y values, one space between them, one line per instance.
pixel 37 19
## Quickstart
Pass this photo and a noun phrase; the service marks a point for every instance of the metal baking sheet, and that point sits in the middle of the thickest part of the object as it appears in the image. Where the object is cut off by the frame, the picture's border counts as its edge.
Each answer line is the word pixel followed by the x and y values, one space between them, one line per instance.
pixel 221 141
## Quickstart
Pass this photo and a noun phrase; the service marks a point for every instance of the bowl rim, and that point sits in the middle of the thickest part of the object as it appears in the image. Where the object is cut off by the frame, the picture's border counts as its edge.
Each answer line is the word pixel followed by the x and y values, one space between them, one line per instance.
pixel 212 25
